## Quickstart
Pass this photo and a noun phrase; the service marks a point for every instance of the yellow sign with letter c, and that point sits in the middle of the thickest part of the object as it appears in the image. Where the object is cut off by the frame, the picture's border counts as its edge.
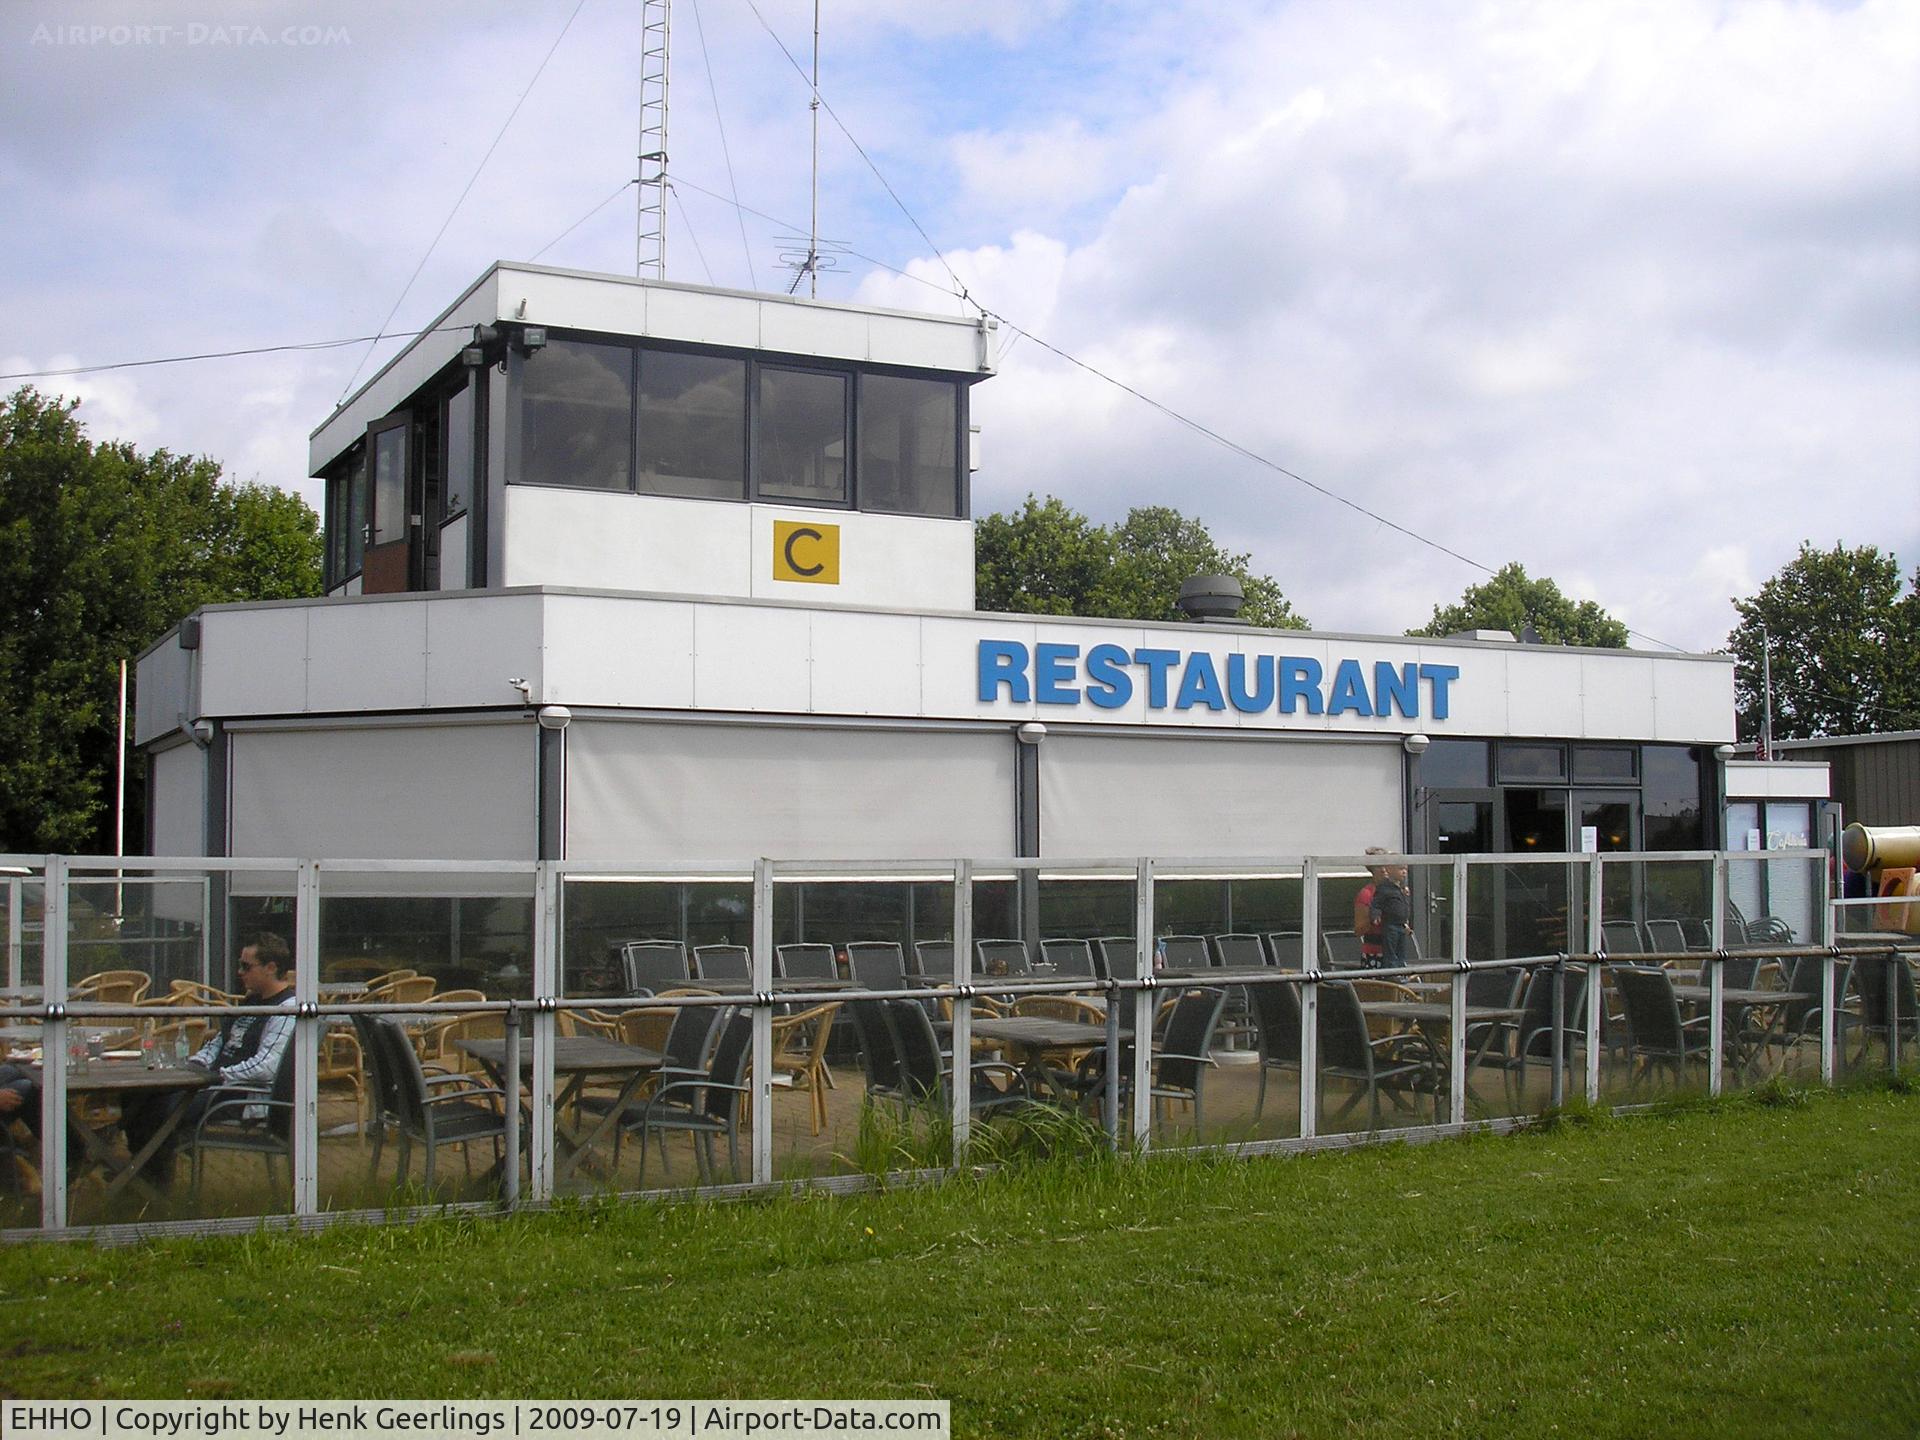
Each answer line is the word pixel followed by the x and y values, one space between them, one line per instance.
pixel 806 552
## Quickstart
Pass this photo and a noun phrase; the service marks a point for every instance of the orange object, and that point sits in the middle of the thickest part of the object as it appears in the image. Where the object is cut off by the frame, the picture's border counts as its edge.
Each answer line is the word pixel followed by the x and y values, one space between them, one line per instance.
pixel 1899 883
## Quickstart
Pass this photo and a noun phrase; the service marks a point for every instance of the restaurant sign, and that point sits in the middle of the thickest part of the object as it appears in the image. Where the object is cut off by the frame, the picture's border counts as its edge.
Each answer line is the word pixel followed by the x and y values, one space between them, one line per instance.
pixel 1108 677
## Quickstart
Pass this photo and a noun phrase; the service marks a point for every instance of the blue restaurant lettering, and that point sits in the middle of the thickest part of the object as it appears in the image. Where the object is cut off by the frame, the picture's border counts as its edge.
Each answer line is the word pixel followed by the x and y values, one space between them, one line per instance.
pixel 1108 676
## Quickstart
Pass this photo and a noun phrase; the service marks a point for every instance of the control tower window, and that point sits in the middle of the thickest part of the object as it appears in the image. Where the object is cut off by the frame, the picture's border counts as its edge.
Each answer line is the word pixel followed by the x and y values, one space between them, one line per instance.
pixel 909 442
pixel 800 438
pixel 576 416
pixel 693 425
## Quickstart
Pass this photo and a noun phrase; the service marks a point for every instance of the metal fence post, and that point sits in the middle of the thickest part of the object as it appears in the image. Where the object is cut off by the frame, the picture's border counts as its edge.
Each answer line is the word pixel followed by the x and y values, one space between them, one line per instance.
pixel 761 1098
pixel 1716 975
pixel 1310 999
pixel 961 980
pixel 1457 1030
pixel 1893 1010
pixel 1596 976
pixel 546 955
pixel 1829 926
pixel 1144 1000
pixel 510 1078
pixel 306 1039
pixel 53 1044
pixel 14 894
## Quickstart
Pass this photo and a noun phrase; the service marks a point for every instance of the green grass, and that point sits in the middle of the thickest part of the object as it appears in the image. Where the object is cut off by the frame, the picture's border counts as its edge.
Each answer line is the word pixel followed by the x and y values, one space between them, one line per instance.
pixel 1750 1267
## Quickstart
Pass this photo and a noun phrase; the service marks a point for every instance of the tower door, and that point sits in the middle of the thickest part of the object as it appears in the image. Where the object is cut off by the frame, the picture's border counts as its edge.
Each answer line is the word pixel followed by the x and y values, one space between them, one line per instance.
pixel 390 525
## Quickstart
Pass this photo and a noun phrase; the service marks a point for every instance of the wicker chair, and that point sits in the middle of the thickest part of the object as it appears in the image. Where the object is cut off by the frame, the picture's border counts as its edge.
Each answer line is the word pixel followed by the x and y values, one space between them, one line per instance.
pixel 800 1051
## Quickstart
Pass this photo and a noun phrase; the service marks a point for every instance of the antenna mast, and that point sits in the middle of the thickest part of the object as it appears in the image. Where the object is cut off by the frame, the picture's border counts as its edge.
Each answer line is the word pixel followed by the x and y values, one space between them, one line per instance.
pixel 650 179
pixel 813 215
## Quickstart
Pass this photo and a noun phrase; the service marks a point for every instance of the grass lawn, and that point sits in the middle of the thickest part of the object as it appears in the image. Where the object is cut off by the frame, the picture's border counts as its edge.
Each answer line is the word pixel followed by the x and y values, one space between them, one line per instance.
pixel 1741 1269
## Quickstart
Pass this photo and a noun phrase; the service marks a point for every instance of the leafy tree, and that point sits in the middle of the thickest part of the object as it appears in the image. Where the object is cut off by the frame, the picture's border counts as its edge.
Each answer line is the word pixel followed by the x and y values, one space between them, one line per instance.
pixel 103 548
pixel 1048 559
pixel 1845 646
pixel 1512 601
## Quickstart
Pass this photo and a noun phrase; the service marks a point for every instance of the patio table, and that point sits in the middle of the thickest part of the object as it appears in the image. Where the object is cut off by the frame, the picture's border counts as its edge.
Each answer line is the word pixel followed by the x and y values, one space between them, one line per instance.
pixel 115 1080
pixel 1773 1002
pixel 1430 1014
pixel 1037 1036
pixel 577 1057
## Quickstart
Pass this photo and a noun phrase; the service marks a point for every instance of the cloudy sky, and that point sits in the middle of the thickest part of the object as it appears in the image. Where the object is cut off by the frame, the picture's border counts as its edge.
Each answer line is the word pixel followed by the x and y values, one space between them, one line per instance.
pixel 1628 292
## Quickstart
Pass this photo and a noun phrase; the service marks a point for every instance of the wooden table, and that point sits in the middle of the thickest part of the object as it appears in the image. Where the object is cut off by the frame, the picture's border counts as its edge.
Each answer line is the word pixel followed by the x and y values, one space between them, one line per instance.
pixel 1036 1036
pixel 577 1057
pixel 115 1080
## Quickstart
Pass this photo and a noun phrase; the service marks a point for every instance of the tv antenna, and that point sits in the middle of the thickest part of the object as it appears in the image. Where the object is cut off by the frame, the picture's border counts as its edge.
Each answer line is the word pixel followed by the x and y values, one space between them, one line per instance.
pixel 650 179
pixel 810 266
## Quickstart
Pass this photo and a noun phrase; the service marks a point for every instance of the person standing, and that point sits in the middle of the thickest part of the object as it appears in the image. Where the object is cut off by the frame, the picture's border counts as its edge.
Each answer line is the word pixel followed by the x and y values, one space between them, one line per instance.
pixel 1391 912
pixel 1364 925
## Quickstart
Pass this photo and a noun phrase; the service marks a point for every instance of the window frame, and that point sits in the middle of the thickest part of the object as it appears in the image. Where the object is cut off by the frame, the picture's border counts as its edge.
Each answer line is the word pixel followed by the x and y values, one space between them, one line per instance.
pixel 849 378
pixel 960 390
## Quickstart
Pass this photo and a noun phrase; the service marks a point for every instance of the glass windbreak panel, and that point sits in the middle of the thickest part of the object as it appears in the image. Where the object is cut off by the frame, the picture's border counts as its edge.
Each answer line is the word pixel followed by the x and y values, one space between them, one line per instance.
pixel 625 937
pixel 356 510
pixel 1606 826
pixel 576 416
pixel 1521 763
pixel 1604 764
pixel 1535 909
pixel 908 445
pixel 457 423
pixel 1670 798
pixel 800 444
pixel 390 484
pixel 1656 1034
pixel 481 944
pixel 693 425
pixel 22 1157
pixel 1454 765
pixel 1187 911
pixel 138 924
pixel 1270 908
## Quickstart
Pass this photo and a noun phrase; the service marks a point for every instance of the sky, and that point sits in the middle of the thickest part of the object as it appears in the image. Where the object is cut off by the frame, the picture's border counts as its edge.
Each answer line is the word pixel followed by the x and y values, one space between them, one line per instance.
pixel 1626 292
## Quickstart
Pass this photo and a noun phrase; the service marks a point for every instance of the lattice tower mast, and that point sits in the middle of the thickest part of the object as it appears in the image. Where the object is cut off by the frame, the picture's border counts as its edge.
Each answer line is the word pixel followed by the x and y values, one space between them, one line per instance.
pixel 650 223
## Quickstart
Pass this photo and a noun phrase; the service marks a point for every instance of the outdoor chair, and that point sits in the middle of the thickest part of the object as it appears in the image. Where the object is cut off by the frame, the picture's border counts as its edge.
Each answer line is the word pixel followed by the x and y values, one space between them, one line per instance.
pixel 1656 1034
pixel 648 966
pixel 1396 1065
pixel 877 964
pixel 722 962
pixel 1803 1014
pixel 403 990
pixel 1529 1041
pixel 191 992
pixel 800 1053
pixel 1342 950
pixel 1069 958
pixel 1621 937
pixel 112 987
pixel 1276 1020
pixel 879 1051
pixel 1001 957
pixel 1185 952
pixel 808 961
pixel 1666 937
pixel 1283 949
pixel 1180 1060
pixel 932 959
pixel 924 1074
pixel 1117 957
pixel 435 1110
pixel 251 1121
pixel 1239 952
pixel 702 1106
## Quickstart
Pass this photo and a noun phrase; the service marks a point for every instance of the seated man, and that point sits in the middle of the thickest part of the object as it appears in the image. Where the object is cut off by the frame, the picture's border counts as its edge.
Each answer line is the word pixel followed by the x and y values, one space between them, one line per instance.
pixel 20 1101
pixel 244 1053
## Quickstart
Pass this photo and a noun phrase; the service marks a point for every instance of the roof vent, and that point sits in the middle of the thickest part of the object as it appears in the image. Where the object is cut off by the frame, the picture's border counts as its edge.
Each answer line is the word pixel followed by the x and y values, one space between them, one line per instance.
pixel 1492 637
pixel 1212 599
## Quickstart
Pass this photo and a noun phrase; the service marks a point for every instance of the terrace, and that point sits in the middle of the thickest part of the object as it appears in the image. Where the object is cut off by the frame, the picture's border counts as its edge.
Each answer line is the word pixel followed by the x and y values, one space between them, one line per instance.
pixel 798 1023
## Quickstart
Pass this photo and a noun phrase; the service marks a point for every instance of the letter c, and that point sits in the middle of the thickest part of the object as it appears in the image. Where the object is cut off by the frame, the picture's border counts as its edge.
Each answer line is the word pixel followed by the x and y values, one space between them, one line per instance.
pixel 793 564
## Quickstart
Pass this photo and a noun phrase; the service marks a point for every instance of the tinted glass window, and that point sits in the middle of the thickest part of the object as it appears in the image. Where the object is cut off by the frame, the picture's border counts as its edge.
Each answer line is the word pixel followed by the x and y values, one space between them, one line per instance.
pixel 1608 764
pixel 1670 798
pixel 356 509
pixel 693 425
pixel 390 485
pixel 908 450
pixel 1454 765
pixel 576 415
pixel 800 447
pixel 1533 762
pixel 459 449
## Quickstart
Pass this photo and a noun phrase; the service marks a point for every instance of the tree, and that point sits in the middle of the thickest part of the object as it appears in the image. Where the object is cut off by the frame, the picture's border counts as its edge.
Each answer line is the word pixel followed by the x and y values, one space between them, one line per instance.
pixel 1512 601
pixel 1048 559
pixel 1844 644
pixel 102 549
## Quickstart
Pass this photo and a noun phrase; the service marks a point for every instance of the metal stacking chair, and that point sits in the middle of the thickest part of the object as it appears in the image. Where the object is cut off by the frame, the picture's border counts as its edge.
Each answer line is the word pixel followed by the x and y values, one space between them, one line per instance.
pixel 1276 1018
pixel 923 1073
pixel 436 1110
pixel 1657 1036
pixel 1180 1059
pixel 932 959
pixel 805 961
pixel 1884 983
pixel 1621 937
pixel 1283 949
pixel 1342 950
pixel 1397 1065
pixel 1001 957
pixel 722 962
pixel 877 964
pixel 1068 958
pixel 1666 936
pixel 649 966
pixel 705 1105
pixel 1239 952
pixel 1186 952
pixel 1116 956
pixel 257 1122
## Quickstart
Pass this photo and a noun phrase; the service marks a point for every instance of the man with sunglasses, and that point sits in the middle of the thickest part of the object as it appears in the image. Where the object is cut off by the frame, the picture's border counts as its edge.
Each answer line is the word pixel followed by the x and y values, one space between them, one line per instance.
pixel 245 1053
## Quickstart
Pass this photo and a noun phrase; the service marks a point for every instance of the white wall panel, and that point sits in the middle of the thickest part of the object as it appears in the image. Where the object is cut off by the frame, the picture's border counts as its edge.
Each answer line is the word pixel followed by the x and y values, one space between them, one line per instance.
pixel 846 673
pixel 453 554
pixel 605 651
pixel 370 657
pixel 644 793
pixel 254 662
pixel 750 659
pixel 605 540
pixel 162 690
pixel 1106 796
pixel 475 644
pixel 450 792
pixel 179 800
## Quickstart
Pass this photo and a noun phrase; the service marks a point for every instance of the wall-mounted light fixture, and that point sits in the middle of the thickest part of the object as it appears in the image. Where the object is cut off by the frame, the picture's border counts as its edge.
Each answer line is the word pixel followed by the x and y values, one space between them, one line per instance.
pixel 1416 744
pixel 554 717
pixel 1031 733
